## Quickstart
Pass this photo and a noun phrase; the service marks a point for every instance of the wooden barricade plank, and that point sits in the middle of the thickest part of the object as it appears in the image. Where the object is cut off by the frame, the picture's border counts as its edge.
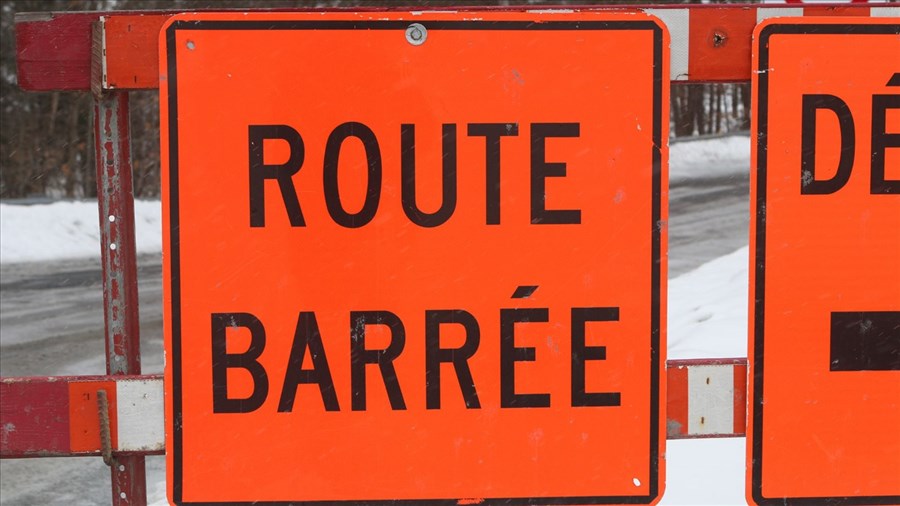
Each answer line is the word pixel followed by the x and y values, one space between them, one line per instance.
pixel 58 416
pixel 54 49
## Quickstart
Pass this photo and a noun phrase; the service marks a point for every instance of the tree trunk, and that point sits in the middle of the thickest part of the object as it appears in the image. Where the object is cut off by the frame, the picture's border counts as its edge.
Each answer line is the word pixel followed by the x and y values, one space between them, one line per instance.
pixel 745 101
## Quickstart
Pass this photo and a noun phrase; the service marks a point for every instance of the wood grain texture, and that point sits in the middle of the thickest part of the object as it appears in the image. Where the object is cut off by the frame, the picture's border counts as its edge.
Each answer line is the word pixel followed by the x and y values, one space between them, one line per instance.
pixel 34 420
pixel 129 63
pixel 57 416
pixel 53 51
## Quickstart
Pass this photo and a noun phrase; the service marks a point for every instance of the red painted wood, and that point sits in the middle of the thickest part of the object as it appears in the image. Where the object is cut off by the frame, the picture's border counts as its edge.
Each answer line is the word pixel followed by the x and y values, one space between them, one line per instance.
pixel 799 2
pixel 43 440
pixel 740 399
pixel 835 10
pixel 676 400
pixel 84 415
pixel 128 63
pixel 705 361
pixel 33 417
pixel 53 50
pixel 719 44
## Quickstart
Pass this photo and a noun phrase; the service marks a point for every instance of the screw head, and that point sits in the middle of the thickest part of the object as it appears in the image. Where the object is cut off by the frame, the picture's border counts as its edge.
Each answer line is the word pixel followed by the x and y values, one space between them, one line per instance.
pixel 416 34
pixel 719 38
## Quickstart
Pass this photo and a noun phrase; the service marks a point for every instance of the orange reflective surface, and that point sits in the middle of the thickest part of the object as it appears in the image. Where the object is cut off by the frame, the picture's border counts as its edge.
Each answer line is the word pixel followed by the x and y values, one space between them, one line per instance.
pixel 815 431
pixel 498 68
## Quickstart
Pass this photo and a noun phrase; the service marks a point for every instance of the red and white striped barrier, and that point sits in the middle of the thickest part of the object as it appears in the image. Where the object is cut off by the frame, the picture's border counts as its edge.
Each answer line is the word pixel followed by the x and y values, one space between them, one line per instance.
pixel 713 44
pixel 708 42
pixel 61 416
pixel 706 398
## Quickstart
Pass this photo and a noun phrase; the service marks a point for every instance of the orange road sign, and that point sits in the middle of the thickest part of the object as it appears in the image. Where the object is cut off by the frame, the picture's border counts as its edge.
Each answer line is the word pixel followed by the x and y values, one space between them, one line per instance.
pixel 415 256
pixel 824 420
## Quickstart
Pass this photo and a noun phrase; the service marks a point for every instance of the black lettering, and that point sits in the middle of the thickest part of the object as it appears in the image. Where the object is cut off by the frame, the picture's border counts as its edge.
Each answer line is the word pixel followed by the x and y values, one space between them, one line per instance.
pixel 881 140
pixel 222 361
pixel 360 356
pixel 541 169
pixel 581 353
pixel 408 177
pixel 492 133
pixel 330 174
pixel 260 171
pixel 510 354
pixel 307 336
pixel 459 357
pixel 809 185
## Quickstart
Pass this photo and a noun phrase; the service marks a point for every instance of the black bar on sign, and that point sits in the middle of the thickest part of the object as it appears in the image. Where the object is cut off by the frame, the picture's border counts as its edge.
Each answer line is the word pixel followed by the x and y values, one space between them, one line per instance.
pixel 865 341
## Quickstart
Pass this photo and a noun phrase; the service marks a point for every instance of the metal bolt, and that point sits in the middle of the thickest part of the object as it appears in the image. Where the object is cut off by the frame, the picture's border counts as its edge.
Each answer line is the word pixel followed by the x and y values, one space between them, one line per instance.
pixel 719 38
pixel 416 34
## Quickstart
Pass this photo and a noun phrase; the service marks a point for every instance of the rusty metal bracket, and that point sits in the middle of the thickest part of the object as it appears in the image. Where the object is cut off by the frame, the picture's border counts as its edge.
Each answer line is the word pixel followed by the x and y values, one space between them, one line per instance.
pixel 105 437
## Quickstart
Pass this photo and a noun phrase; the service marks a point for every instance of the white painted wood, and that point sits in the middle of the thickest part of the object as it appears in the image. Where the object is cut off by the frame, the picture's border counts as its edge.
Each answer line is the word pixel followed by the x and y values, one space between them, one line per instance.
pixel 885 12
pixel 766 13
pixel 711 399
pixel 139 408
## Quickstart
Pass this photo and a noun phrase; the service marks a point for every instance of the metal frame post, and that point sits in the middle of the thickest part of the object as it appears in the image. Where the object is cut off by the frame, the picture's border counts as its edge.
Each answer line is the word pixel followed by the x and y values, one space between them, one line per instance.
pixel 115 197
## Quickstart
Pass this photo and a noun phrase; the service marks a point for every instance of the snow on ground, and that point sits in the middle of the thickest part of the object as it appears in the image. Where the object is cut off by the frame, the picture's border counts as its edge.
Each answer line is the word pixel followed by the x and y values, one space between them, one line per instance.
pixel 708 158
pixel 66 230
pixel 707 318
pixel 707 307
pixel 708 304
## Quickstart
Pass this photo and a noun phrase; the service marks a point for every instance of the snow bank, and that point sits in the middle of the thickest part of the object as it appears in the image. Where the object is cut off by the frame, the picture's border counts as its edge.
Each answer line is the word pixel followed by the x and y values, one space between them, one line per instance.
pixel 66 230
pixel 708 309
pixel 709 158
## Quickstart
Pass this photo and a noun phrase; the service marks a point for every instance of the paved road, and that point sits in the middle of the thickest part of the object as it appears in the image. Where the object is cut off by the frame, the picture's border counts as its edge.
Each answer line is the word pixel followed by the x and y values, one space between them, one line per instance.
pixel 51 322
pixel 708 218
pixel 52 318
